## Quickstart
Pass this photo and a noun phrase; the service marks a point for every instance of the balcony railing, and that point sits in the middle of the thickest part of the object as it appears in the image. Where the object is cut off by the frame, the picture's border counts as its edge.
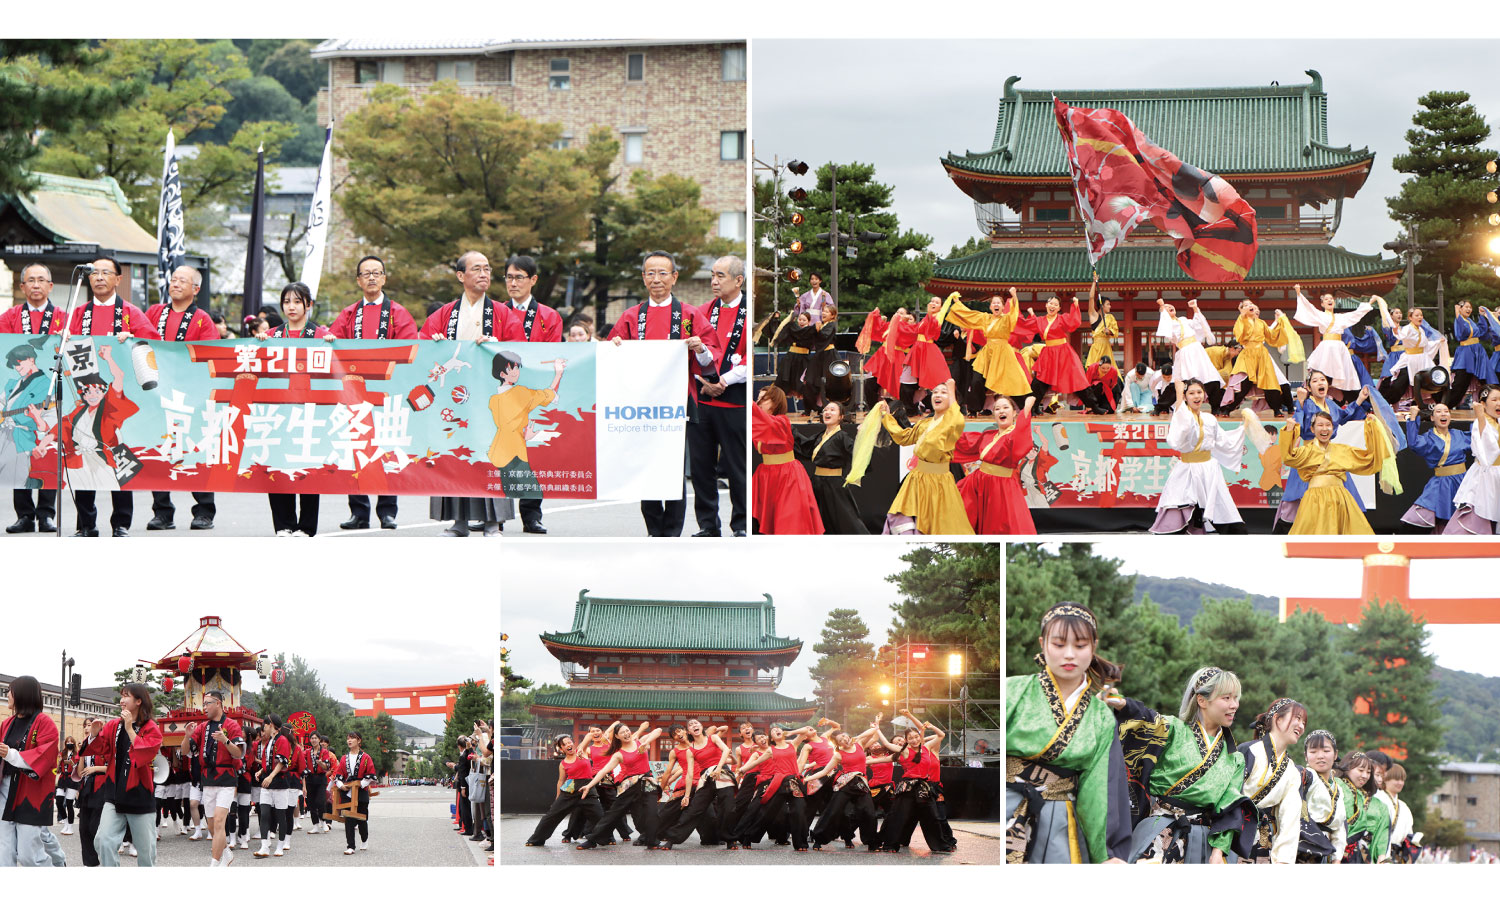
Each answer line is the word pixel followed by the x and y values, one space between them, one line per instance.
pixel 1070 229
pixel 582 677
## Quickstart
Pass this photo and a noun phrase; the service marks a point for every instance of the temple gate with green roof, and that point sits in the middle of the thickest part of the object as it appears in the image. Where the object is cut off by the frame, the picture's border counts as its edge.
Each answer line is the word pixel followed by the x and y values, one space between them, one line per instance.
pixel 1271 143
pixel 663 661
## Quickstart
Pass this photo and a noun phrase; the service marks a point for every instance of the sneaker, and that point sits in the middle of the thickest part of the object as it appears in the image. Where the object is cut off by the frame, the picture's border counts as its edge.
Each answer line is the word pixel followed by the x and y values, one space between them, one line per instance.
pixel 363 844
pixel 130 848
pixel 348 851
pixel 68 830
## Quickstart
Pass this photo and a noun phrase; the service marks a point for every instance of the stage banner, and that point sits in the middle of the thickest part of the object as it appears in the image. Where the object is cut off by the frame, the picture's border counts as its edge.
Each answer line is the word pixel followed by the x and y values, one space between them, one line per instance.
pixel 430 417
pixel 1110 463
pixel 643 403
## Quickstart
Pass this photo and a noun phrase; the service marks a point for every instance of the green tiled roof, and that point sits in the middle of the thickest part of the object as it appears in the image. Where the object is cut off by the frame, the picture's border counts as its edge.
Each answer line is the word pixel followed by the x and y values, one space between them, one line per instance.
pixel 673 625
pixel 691 701
pixel 1008 266
pixel 1272 129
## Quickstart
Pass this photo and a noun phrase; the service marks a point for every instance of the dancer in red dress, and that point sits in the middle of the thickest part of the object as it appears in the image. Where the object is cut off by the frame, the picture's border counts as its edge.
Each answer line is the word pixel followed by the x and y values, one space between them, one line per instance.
pixel 899 336
pixel 1058 367
pixel 992 494
pixel 783 496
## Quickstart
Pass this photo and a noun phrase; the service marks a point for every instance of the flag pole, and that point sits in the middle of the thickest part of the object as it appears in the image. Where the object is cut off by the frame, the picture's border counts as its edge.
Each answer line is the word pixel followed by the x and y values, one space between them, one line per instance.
pixel 255 250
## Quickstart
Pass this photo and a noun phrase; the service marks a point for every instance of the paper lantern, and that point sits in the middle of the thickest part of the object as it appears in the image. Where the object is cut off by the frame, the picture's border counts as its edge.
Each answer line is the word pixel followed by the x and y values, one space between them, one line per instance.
pixel 278 677
pixel 184 663
pixel 166 684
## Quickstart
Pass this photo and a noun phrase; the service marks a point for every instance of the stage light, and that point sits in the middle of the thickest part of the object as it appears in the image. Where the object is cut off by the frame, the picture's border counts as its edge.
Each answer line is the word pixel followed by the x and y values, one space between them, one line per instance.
pixel 1492 197
pixel 885 689
pixel 1495 219
pixel 1495 245
pixel 798 168
pixel 504 637
pixel 504 651
pixel 795 247
pixel 793 275
pixel 798 219
pixel 797 194
pixel 885 702
pixel 955 664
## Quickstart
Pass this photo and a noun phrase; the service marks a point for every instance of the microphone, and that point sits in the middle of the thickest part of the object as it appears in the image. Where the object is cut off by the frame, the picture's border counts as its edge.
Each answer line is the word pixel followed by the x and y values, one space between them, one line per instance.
pixel 84 268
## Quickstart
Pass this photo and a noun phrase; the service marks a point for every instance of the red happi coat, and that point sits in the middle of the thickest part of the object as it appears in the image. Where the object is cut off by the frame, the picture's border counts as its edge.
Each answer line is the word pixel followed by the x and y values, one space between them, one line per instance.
pixel 365 768
pixel 30 799
pixel 140 785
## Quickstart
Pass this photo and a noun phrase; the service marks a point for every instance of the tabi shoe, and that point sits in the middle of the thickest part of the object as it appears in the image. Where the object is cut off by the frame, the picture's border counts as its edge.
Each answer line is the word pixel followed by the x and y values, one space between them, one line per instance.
pixel 120 532
pixel 739 533
pixel 355 523
pixel 157 523
pixel 46 524
pixel 158 832
pixel 244 842
pixel 348 851
pixel 387 523
pixel 455 531
pixel 201 523
pixel 280 848
pixel 22 525
pixel 197 832
pixel 265 849
pixel 68 830
pixel 213 863
pixel 490 848
pixel 227 859
pixel 363 844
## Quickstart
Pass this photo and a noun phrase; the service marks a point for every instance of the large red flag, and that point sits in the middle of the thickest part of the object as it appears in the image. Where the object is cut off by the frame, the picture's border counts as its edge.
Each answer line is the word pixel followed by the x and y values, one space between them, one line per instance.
pixel 1122 179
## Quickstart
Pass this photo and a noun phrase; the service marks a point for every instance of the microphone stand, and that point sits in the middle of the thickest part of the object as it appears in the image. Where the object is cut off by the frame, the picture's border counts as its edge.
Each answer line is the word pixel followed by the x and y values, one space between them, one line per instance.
pixel 57 394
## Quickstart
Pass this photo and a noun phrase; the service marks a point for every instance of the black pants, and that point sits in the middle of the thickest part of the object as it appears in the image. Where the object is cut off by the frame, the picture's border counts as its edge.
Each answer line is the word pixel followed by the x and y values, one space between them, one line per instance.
pixel 668 815
pixel 531 512
pixel 273 819
pixel 945 832
pixel 904 808
pixel 664 518
pixel 1277 400
pixel 566 804
pixel 1462 379
pixel 849 808
pixel 581 823
pixel 717 436
pixel 88 826
pixel 635 802
pixel 317 797
pixel 363 823
pixel 710 813
pixel 1393 387
pixel 45 506
pixel 761 812
pixel 164 510
pixel 285 515
pixel 359 507
pixel 122 509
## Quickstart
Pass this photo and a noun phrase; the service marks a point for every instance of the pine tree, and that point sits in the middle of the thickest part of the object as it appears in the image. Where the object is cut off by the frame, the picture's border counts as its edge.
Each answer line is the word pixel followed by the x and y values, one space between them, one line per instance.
pixel 1231 634
pixel 304 692
pixel 951 595
pixel 475 702
pixel 162 702
pixel 845 673
pixel 1153 650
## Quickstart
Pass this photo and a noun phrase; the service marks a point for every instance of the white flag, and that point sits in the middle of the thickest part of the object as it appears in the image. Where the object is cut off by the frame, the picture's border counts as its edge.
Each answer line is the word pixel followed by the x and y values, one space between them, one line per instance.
pixel 171 240
pixel 317 218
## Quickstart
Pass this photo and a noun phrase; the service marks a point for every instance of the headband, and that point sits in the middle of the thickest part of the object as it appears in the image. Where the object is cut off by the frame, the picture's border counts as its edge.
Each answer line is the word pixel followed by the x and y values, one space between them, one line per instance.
pixel 1277 706
pixel 1203 679
pixel 1320 733
pixel 1069 610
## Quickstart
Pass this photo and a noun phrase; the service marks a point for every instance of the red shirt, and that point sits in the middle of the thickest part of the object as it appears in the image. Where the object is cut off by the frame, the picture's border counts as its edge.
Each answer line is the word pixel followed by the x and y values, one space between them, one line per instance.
pixel 853 761
pixel 201 326
pixel 633 763
pixel 928 768
pixel 881 773
pixel 749 751
pixel 724 355
pixel 707 757
pixel 819 752
pixel 319 332
pixel 598 755
pixel 580 769
pixel 134 321
pixel 506 326
pixel 402 325
pixel 681 755
pixel 10 319
pixel 659 326
pixel 546 326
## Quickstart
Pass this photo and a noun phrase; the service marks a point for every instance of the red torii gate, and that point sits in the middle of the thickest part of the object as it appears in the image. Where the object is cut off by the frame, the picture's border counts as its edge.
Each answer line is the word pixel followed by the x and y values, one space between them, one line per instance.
pixel 1388 577
pixel 448 693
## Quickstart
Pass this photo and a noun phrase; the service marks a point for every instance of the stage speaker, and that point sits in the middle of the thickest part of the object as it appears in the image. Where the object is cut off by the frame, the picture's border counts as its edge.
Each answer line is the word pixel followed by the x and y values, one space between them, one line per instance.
pixel 838 382
pixel 1433 379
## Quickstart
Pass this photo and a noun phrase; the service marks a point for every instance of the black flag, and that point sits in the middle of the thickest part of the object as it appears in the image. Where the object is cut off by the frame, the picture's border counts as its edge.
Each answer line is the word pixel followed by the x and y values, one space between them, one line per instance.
pixel 255 254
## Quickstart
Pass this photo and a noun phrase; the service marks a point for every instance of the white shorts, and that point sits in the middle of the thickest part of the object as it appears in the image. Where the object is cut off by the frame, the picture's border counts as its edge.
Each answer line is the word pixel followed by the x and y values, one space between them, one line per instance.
pixel 162 791
pixel 243 799
pixel 255 793
pixel 279 799
pixel 71 793
pixel 195 793
pixel 217 798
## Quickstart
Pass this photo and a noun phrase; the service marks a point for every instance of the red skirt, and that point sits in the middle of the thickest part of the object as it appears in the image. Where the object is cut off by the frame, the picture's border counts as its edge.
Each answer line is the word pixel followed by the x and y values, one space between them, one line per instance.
pixel 887 372
pixel 1059 367
pixel 782 502
pixel 995 504
pixel 928 365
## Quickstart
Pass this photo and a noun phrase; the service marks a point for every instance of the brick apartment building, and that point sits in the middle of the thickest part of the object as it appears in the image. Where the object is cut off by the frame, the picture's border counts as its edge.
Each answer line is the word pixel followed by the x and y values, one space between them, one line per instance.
pixel 100 702
pixel 1470 793
pixel 676 106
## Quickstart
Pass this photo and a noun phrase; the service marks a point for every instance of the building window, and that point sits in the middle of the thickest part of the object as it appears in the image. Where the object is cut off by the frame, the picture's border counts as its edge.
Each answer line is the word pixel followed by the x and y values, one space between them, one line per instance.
pixel 559 75
pixel 461 71
pixel 504 73
pixel 732 145
pixel 739 672
pixel 635 147
pixel 606 669
pixel 366 71
pixel 564 142
pixel 1470 823
pixel 1264 211
pixel 733 64
pixel 635 67
pixel 1472 800
pixel 393 72
pixel 732 225
pixel 1051 214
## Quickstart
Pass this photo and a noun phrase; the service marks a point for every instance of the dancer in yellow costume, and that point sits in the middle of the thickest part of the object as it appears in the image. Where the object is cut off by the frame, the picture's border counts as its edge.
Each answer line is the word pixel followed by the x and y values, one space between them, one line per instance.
pixel 929 496
pixel 1103 327
pixel 1004 371
pixel 1327 507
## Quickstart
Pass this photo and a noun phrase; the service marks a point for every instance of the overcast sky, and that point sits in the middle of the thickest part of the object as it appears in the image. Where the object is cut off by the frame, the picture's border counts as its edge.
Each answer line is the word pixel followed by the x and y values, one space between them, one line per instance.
pixel 1258 565
pixel 805 581
pixel 902 105
pixel 404 628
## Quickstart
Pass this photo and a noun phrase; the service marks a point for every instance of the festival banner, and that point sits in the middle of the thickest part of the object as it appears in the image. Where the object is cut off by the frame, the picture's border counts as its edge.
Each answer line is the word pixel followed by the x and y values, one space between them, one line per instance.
pixel 317 218
pixel 171 239
pixel 429 417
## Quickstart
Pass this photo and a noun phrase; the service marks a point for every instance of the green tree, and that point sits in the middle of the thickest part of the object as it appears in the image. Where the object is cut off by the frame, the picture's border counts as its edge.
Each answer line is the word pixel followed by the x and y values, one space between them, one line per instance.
pixel 887 274
pixel 1445 197
pixel 292 65
pixel 845 672
pixel 33 105
pixel 1231 634
pixel 377 736
pixel 436 175
pixel 972 246
pixel 515 708
pixel 1153 649
pixel 303 691
pixel 1443 833
pixel 162 702
pixel 475 702
pixel 1037 578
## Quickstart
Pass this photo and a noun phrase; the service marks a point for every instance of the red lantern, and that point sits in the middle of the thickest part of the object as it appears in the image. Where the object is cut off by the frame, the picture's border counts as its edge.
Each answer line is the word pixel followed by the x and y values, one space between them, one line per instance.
pixel 166 684
pixel 278 677
pixel 184 663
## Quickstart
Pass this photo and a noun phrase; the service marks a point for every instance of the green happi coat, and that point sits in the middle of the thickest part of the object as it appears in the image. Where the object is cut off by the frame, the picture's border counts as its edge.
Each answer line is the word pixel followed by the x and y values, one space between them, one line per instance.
pixel 1367 813
pixel 1190 766
pixel 1040 729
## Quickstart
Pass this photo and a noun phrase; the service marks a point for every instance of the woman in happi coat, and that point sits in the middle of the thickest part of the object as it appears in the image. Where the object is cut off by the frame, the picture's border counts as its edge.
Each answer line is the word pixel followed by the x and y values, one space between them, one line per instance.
pixel 1328 507
pixel 1477 501
pixel 993 499
pixel 928 500
pixel 1444 449
pixel 782 499
pixel 1331 355
pixel 1273 782
pixel 1186 777
pixel 830 453
pixel 1004 372
pixel 286 519
pixel 1323 797
pixel 1066 796
pixel 1196 496
pixel 28 775
pixel 1368 834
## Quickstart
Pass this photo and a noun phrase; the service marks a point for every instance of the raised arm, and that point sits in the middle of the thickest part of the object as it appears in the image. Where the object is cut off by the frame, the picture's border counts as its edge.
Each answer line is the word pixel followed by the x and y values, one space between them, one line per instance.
pixel 648 737
pixel 609 766
pixel 831 767
pixel 754 761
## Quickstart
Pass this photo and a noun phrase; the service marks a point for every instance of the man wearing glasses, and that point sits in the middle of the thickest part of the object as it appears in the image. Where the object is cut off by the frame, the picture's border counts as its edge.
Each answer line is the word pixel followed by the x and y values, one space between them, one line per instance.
pixel 662 316
pixel 36 317
pixel 473 317
pixel 107 314
pixel 179 320
pixel 539 323
pixel 719 432
pixel 372 317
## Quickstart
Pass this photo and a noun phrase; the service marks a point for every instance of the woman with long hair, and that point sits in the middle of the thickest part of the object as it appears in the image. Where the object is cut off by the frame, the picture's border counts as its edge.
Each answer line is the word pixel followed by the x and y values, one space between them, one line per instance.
pixel 851 805
pixel 28 775
pixel 1005 373
pixel 573 771
pixel 1368 836
pixel 1323 798
pixel 780 785
pixel 712 786
pixel 1477 500
pixel 1328 507
pixel 676 784
pixel 782 500
pixel 635 788
pixel 286 518
pixel 1272 781
pixel 1065 793
pixel 130 745
pixel 1186 777
pixel 928 502
pixel 595 748
pixel 1444 450
pixel 993 499
pixel 1196 496
pixel 830 453
pixel 914 800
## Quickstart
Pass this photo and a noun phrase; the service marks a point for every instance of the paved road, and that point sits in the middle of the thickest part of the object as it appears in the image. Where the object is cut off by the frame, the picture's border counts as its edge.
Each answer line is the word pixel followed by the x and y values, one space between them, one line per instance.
pixel 408 826
pixel 247 514
pixel 978 844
